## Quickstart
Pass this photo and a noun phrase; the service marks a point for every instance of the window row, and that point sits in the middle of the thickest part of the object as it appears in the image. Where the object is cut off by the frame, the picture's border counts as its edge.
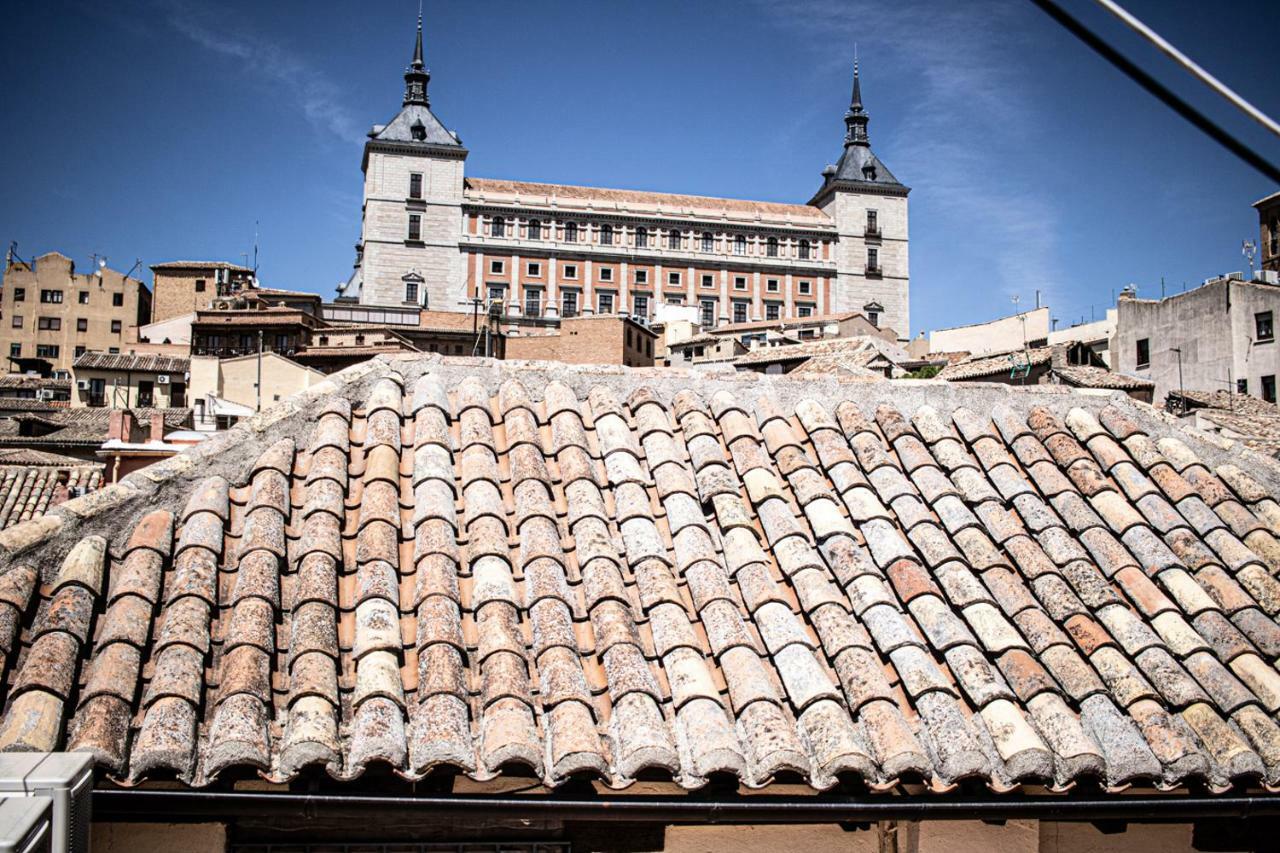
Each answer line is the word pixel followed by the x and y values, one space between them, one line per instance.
pixel 533 304
pixel 643 237
pixel 54 324
pixel 53 350
pixel 675 278
pixel 54 297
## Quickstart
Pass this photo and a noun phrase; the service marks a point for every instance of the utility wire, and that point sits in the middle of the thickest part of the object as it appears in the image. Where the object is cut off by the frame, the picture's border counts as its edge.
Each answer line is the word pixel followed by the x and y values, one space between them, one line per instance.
pixel 1190 65
pixel 1155 87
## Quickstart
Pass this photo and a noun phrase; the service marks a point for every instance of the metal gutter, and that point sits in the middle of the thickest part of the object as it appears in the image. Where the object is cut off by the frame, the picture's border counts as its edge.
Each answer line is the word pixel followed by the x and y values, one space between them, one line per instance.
pixel 179 805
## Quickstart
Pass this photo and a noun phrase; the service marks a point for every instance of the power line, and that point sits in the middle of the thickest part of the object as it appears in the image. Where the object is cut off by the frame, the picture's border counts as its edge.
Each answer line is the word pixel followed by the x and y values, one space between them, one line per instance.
pixel 1155 87
pixel 1190 65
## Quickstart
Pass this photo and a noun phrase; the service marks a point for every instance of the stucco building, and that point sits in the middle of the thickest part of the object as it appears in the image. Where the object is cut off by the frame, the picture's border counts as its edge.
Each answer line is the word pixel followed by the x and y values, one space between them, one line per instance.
pixel 1269 231
pixel 181 287
pixel 52 314
pixel 1217 337
pixel 433 236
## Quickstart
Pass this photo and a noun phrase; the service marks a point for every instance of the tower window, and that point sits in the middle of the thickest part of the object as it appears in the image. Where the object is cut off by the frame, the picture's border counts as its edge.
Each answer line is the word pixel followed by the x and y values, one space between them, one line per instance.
pixel 873 259
pixel 415 185
pixel 415 226
pixel 410 291
pixel 873 223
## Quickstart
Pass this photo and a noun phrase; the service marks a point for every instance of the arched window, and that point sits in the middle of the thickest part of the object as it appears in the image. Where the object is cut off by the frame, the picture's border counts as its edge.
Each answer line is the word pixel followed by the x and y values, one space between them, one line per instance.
pixel 708 242
pixel 771 247
pixel 606 235
pixel 571 232
pixel 673 239
pixel 535 229
pixel 740 245
pixel 498 227
pixel 804 249
pixel 642 237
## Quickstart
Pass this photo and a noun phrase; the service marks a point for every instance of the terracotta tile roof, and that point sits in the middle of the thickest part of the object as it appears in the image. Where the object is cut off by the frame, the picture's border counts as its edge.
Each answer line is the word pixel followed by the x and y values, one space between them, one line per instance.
pixel 596 572
pixel 862 350
pixel 670 202
pixel 994 365
pixel 1099 377
pixel 29 481
pixel 24 381
pixel 141 363
pixel 786 323
pixel 200 265
pixel 1242 404
pixel 1254 422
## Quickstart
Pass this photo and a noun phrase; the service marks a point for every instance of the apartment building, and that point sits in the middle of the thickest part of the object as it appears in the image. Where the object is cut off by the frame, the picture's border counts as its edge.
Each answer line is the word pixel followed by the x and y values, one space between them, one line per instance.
pixel 52 314
pixel 182 287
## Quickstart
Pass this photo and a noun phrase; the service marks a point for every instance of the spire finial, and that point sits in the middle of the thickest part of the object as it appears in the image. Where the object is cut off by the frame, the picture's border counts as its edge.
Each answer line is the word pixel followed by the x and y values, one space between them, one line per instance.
pixel 416 76
pixel 855 119
pixel 417 47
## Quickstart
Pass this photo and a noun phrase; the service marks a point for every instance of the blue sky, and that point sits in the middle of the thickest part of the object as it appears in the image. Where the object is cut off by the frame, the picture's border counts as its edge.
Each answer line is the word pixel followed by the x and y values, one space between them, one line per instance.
pixel 163 129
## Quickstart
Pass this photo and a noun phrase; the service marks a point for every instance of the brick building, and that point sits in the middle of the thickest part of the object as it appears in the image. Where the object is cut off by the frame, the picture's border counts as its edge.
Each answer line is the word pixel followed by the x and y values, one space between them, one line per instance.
pixel 598 339
pixel 181 287
pixel 52 314
pixel 1269 231
pixel 434 237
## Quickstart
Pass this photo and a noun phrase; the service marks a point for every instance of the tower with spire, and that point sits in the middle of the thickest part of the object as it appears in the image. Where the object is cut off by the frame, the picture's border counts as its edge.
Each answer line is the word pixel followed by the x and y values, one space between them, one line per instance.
pixel 869 208
pixel 413 193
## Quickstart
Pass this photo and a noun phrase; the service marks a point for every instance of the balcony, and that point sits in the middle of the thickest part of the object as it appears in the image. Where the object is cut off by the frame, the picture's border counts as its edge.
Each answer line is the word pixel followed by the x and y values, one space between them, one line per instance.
pixel 872 232
pixel 874 271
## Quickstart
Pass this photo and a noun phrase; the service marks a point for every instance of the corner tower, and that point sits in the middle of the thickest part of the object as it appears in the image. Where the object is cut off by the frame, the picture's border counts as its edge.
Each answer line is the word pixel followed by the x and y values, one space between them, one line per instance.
pixel 869 207
pixel 412 211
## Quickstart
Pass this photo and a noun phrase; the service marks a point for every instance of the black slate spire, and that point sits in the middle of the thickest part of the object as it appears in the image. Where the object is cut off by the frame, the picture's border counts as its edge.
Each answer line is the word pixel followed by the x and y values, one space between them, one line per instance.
pixel 416 76
pixel 855 120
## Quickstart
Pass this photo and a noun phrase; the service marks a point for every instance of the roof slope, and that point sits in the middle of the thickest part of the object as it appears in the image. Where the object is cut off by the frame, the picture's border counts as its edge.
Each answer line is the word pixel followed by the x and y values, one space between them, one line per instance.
pixel 590 571
pixel 138 363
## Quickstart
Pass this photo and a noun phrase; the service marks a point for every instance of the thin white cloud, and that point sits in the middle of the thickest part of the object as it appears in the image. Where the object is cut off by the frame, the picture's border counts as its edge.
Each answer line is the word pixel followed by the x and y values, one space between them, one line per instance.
pixel 967 105
pixel 319 98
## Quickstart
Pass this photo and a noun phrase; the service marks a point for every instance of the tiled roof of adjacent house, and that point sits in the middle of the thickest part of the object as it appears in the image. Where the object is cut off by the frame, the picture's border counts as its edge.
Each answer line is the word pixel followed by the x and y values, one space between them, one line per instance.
pixel 200 265
pixel 671 203
pixel 136 363
pixel 994 365
pixel 29 481
pixel 423 564
pixel 865 347
pixel 1099 377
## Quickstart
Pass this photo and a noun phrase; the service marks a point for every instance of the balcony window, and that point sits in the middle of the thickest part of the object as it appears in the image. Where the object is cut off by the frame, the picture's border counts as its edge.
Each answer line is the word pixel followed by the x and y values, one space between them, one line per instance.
pixel 673 239
pixel 533 302
pixel 708 242
pixel 1144 352
pixel 873 259
pixel 642 238
pixel 804 250
pixel 708 313
pixel 604 302
pixel 740 245
pixel 146 393
pixel 772 311
pixel 415 227
pixel 498 226
pixel 568 303
pixel 571 232
pixel 873 223
pixel 415 185
pixel 771 247
pixel 534 229
pixel 606 235
pixel 1264 326
pixel 640 305
pixel 739 311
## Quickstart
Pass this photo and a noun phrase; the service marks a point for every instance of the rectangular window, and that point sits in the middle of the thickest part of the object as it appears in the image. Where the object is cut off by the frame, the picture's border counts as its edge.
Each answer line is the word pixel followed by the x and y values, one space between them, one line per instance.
pixel 415 227
pixel 642 276
pixel 146 393
pixel 771 247
pixel 772 285
pixel 15 350
pixel 674 299
pixel 570 270
pixel 739 311
pixel 642 238
pixel 17 321
pixel 708 315
pixel 740 282
pixel 673 240
pixel 533 302
pixel 804 310
pixel 534 229
pixel 873 224
pixel 116 327
pixel 1144 352
pixel 606 235
pixel 497 267
pixel 415 185
pixel 1269 388
pixel 804 250
pixel 568 303
pixel 873 259
pixel 82 324
pixel 640 305
pixel 19 294
pixel 571 232
pixel 51 296
pixel 117 300
pixel 805 287
pixel 606 274
pixel 47 350
pixel 80 350
pixel 84 297
pixel 604 301
pixel 84 294
pixel 498 226
pixel 708 281
pixel 49 324
pixel 772 311
pixel 535 269
pixel 708 243
pixel 1263 325
pixel 410 291
pixel 740 245
pixel 1242 386
pixel 673 279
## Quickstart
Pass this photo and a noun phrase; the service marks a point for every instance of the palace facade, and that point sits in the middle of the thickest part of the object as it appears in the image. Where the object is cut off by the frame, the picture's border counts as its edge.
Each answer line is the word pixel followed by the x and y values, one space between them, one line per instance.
pixel 433 237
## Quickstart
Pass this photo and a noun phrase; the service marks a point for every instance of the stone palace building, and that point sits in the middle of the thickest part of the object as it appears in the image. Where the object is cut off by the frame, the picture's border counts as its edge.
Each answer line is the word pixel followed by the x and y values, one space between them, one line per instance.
pixel 436 238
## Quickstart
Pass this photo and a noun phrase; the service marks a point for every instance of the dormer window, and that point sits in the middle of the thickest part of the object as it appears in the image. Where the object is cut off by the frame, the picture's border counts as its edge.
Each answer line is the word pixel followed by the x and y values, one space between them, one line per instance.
pixel 418 131
pixel 869 172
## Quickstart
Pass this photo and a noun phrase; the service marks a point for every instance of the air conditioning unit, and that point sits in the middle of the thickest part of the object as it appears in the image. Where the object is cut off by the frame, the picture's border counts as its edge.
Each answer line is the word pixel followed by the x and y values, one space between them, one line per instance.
pixel 26 825
pixel 45 394
pixel 64 777
pixel 162 379
pixel 82 384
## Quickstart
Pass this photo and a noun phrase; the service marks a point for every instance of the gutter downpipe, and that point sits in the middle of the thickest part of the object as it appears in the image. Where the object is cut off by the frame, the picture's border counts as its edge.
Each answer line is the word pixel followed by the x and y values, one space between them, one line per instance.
pixel 178 805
